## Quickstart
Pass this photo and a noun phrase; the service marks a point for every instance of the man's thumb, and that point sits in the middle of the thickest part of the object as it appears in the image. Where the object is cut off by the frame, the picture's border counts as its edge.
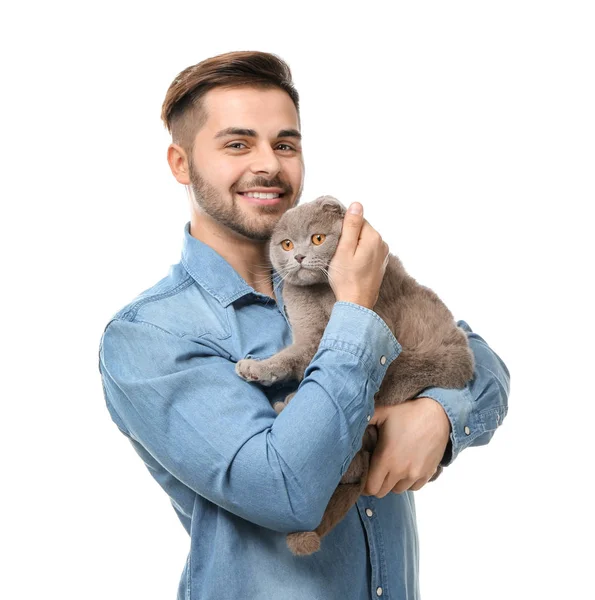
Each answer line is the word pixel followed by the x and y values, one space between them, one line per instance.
pixel 355 208
pixel 353 222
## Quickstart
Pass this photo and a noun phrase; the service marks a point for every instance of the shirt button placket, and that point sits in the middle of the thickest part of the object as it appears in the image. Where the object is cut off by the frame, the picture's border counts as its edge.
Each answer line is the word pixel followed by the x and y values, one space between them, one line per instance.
pixel 373 545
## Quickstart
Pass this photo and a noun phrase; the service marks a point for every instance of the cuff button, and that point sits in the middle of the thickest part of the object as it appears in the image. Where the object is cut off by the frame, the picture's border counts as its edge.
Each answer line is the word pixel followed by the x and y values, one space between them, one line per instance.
pixel 467 430
pixel 382 359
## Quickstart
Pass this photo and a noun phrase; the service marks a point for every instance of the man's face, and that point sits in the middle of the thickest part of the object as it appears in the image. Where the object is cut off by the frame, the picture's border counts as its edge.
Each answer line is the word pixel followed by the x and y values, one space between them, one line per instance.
pixel 249 144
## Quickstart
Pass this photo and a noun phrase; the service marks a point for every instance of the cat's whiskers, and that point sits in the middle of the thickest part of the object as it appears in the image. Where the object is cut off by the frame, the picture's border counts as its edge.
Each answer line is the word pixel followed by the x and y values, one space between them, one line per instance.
pixel 266 278
pixel 325 271
pixel 281 276
pixel 268 265
pixel 278 284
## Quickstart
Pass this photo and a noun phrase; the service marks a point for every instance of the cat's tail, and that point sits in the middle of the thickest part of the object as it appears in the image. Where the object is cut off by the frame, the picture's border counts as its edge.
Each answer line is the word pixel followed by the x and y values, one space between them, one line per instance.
pixel 302 543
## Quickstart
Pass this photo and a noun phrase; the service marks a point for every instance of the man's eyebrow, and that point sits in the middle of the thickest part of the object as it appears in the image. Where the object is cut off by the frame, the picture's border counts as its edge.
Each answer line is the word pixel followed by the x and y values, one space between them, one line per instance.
pixel 290 133
pixel 236 131
pixel 251 133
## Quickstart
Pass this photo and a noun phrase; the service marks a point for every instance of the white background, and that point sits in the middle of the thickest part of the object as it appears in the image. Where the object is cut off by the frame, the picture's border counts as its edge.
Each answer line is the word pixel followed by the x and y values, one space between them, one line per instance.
pixel 467 131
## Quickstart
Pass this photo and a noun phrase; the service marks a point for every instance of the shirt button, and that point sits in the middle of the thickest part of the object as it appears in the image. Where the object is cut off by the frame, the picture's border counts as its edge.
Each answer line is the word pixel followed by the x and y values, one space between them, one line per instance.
pixel 368 418
pixel 369 512
pixel 467 430
pixel 379 591
pixel 382 359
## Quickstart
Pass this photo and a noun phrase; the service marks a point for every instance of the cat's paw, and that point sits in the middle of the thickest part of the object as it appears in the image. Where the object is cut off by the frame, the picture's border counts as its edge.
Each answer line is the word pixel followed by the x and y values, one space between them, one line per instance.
pixel 280 405
pixel 256 370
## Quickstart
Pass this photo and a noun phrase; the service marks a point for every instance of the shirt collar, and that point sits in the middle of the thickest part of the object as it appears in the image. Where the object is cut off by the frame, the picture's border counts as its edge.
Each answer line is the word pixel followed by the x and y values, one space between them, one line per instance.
pixel 212 272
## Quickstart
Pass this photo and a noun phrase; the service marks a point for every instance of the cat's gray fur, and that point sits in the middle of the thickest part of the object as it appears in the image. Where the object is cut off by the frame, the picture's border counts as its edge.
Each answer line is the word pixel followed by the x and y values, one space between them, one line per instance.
pixel 435 352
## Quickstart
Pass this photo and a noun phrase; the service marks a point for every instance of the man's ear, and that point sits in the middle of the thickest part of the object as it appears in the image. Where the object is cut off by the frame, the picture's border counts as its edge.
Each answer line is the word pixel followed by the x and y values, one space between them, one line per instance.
pixel 178 163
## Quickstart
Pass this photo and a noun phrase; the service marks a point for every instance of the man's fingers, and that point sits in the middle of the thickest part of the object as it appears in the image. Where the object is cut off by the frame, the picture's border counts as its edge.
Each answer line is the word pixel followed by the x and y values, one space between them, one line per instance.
pixel 387 486
pixel 379 416
pixel 419 484
pixel 386 249
pixel 373 483
pixel 352 226
pixel 376 474
pixel 404 484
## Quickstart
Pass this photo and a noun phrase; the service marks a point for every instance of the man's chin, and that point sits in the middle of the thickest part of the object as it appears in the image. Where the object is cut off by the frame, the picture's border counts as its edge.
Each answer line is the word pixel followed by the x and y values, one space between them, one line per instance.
pixel 256 234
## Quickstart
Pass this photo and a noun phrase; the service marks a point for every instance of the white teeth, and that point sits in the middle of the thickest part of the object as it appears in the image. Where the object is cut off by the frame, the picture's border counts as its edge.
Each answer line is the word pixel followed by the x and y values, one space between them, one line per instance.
pixel 261 195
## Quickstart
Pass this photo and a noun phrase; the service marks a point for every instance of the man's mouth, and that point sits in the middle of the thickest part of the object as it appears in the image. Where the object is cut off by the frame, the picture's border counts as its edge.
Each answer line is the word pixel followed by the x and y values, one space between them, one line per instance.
pixel 262 195
pixel 263 198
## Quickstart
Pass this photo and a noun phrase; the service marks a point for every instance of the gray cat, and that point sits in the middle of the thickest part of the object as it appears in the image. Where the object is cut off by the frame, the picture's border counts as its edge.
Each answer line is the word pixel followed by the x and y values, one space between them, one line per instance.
pixel 434 352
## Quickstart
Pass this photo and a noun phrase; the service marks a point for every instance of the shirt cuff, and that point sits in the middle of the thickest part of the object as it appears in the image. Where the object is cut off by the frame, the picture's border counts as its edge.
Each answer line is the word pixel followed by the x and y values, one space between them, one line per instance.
pixel 360 331
pixel 458 405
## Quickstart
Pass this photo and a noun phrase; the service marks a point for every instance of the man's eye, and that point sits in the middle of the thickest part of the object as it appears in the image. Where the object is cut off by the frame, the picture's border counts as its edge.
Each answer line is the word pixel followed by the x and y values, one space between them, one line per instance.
pixel 285 147
pixel 236 145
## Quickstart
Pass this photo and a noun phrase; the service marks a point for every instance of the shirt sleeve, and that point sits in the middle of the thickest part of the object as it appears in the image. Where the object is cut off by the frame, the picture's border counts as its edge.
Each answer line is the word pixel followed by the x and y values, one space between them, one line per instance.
pixel 184 406
pixel 478 409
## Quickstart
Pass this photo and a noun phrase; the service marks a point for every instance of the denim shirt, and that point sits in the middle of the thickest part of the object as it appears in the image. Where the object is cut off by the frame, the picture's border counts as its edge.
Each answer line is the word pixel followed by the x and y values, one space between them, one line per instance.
pixel 239 476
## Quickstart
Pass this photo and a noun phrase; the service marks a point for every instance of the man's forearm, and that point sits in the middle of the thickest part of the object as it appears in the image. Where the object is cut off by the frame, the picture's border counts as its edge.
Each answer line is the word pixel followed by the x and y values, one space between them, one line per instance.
pixel 478 409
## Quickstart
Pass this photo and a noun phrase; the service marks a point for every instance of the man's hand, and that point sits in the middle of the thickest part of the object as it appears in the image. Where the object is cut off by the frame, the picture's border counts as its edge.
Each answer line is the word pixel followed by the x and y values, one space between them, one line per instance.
pixel 412 438
pixel 359 263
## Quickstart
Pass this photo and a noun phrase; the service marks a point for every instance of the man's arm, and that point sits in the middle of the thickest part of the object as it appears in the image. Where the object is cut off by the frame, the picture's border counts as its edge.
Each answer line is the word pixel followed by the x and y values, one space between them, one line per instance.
pixel 478 409
pixel 202 429
pixel 415 437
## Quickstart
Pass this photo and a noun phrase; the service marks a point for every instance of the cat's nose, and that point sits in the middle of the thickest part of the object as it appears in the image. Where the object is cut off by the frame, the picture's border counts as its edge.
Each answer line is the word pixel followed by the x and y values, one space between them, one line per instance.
pixel 299 258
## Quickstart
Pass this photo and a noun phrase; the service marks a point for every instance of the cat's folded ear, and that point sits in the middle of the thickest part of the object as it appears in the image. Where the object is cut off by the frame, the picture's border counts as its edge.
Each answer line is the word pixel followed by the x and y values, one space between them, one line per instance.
pixel 331 204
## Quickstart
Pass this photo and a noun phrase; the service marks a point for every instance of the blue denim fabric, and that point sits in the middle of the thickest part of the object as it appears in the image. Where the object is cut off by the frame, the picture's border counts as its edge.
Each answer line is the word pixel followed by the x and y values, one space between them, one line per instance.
pixel 240 477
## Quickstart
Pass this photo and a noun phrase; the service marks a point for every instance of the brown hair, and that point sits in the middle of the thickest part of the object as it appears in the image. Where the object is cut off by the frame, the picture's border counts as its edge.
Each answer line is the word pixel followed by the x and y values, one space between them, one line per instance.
pixel 182 112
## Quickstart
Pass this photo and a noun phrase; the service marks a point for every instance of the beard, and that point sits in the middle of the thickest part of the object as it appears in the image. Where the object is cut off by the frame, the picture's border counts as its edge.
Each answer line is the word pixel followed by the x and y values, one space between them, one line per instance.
pixel 257 227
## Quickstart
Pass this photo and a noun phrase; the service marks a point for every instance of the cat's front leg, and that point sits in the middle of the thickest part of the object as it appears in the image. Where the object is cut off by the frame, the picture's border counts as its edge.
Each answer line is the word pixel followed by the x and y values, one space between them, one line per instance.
pixel 266 372
pixel 288 364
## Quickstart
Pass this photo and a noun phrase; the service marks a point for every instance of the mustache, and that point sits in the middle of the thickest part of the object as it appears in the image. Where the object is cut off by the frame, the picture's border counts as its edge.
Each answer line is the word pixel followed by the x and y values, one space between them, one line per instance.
pixel 271 183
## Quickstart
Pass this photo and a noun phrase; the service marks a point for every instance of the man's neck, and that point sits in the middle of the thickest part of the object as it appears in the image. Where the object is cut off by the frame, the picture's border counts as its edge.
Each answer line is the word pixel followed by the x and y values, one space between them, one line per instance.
pixel 249 258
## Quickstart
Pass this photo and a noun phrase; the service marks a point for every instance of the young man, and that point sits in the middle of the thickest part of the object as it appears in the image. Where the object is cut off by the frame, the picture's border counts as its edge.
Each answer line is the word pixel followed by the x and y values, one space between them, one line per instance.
pixel 239 476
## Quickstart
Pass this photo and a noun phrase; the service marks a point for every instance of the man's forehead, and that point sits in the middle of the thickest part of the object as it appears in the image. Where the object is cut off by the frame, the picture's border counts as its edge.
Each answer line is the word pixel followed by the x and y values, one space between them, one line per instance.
pixel 264 111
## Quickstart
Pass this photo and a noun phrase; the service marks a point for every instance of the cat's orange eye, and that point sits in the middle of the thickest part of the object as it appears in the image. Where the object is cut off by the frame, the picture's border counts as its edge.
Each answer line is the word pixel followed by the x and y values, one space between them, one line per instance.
pixel 318 238
pixel 287 245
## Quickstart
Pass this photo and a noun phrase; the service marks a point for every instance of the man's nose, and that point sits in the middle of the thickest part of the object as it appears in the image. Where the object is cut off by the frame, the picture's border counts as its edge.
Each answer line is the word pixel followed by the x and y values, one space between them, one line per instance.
pixel 265 161
pixel 299 258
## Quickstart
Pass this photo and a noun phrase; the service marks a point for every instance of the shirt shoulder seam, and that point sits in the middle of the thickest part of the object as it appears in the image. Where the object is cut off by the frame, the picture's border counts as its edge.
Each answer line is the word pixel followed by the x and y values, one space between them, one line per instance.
pixel 131 312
